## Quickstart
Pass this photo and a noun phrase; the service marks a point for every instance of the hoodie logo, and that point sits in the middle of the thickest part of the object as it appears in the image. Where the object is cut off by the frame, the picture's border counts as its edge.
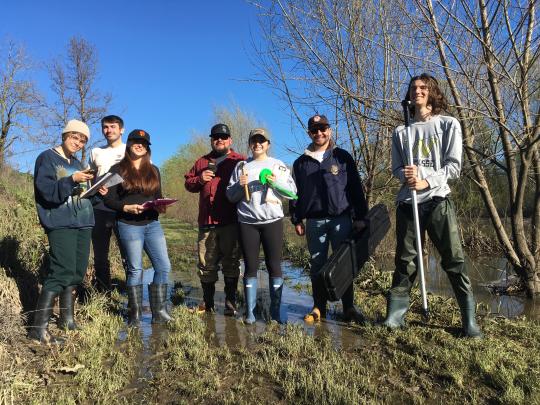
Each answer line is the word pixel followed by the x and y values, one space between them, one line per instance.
pixel 334 169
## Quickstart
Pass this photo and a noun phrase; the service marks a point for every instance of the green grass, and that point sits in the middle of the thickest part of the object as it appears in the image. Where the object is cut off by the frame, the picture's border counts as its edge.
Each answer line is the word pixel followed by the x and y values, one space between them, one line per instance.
pixel 91 367
pixel 419 364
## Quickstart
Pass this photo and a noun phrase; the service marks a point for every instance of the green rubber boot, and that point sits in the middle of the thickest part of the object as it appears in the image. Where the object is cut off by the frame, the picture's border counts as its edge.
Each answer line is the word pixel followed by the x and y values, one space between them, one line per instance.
pixel 467 307
pixel 396 308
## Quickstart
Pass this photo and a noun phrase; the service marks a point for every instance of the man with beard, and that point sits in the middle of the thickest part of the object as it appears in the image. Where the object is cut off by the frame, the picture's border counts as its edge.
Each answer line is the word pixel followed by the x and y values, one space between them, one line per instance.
pixel 218 223
pixel 331 200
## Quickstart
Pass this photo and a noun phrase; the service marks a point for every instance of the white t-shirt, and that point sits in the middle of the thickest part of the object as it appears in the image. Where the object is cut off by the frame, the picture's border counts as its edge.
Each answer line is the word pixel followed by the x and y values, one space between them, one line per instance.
pixel 318 155
pixel 102 159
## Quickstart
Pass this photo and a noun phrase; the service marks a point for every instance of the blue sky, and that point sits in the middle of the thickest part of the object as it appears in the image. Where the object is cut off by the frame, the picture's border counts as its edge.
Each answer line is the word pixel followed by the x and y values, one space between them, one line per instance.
pixel 167 63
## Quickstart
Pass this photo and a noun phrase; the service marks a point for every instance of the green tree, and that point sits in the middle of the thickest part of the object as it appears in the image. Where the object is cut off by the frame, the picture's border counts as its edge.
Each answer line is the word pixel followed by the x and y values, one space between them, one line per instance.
pixel 172 173
pixel 173 170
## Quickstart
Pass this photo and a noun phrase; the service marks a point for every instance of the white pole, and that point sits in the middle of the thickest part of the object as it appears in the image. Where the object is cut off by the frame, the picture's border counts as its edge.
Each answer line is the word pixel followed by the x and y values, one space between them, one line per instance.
pixel 419 252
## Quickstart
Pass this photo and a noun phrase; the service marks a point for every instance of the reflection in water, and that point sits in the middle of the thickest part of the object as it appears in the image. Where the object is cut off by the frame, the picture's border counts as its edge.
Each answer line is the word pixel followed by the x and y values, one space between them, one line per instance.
pixel 296 302
pixel 484 271
pixel 222 330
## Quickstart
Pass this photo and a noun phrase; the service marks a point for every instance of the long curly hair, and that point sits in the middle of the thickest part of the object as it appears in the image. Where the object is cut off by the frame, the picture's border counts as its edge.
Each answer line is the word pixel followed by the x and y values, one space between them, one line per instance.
pixel 436 98
pixel 145 180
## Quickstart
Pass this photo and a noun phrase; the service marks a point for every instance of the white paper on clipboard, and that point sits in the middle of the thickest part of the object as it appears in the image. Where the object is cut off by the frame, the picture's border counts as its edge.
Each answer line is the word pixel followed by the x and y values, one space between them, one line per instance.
pixel 107 180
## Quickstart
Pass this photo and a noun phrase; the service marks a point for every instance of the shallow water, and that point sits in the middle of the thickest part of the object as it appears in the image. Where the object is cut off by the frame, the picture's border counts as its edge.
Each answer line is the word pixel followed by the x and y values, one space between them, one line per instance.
pixel 296 302
pixel 483 272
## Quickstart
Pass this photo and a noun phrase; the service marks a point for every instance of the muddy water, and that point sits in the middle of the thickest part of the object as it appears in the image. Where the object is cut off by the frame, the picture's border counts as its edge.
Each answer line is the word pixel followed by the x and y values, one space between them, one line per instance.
pixel 485 272
pixel 296 302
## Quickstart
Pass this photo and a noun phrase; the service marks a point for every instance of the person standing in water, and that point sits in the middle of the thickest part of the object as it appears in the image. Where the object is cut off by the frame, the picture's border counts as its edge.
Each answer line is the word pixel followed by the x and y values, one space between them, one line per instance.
pixel 260 214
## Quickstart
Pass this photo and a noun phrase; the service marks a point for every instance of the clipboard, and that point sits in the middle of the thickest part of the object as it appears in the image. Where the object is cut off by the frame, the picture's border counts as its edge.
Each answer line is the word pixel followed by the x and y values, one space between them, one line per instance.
pixel 160 202
pixel 107 180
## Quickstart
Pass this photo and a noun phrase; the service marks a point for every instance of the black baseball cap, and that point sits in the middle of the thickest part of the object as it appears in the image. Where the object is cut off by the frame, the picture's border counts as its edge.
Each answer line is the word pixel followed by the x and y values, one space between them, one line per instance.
pixel 220 129
pixel 139 135
pixel 317 121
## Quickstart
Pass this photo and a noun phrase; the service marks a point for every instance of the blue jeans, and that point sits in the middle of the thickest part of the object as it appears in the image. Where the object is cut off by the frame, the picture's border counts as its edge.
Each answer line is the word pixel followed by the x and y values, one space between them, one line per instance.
pixel 320 234
pixel 150 237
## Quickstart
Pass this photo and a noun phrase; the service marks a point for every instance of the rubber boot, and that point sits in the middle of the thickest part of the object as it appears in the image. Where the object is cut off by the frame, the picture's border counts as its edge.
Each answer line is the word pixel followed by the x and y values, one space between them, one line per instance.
pixel 209 289
pixel 67 309
pixel 230 296
pixel 158 303
pixel 276 289
pixel 250 293
pixel 467 307
pixel 396 308
pixel 319 300
pixel 350 312
pixel 44 307
pixel 135 299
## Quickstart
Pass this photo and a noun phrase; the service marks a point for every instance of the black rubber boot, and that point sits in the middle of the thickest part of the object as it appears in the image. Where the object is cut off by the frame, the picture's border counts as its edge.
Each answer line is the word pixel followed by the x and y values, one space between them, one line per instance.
pixel 38 329
pixel 350 312
pixel 158 303
pixel 467 307
pixel 67 309
pixel 396 308
pixel 230 296
pixel 135 299
pixel 209 289
pixel 319 295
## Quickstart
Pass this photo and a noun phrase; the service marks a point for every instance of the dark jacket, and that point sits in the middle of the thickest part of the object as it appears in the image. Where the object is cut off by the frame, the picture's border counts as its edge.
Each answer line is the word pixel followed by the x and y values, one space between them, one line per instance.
pixel 117 197
pixel 214 206
pixel 327 189
pixel 57 201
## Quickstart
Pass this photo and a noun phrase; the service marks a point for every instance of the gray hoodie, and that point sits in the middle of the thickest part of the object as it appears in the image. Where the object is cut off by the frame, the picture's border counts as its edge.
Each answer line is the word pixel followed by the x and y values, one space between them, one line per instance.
pixel 437 153
pixel 265 204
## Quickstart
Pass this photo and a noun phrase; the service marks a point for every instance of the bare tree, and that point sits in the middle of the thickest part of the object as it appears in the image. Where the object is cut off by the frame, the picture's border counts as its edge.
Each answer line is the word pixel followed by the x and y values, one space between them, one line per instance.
pixel 74 83
pixel 354 58
pixel 19 99
pixel 488 53
pixel 334 57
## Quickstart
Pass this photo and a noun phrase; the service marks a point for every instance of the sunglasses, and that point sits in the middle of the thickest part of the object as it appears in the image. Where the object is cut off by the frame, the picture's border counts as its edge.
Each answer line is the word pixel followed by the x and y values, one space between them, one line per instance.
pixel 257 139
pixel 315 131
pixel 222 137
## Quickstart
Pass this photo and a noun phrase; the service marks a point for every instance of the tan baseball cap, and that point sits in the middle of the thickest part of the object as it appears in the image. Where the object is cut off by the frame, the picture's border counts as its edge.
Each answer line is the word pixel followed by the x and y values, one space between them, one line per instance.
pixel 259 131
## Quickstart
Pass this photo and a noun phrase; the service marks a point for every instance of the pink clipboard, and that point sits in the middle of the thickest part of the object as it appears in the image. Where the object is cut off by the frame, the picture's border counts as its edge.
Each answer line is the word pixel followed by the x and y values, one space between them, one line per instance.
pixel 160 202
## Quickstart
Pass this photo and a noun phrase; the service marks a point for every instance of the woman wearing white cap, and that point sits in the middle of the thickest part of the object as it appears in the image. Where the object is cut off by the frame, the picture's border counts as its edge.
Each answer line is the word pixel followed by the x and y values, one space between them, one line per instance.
pixel 67 220
pixel 258 186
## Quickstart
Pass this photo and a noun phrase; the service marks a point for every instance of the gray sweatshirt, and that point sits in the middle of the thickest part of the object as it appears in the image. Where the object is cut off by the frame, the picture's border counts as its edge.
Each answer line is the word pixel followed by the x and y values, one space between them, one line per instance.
pixel 265 204
pixel 437 153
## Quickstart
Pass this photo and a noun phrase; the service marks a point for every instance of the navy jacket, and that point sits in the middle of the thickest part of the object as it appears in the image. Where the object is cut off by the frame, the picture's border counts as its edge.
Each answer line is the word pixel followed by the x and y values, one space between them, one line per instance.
pixel 57 202
pixel 327 189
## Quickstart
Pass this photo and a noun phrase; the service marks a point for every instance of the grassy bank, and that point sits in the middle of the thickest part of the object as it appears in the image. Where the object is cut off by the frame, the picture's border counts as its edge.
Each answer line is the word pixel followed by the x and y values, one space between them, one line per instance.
pixel 421 364
pixel 93 366
pixel 425 363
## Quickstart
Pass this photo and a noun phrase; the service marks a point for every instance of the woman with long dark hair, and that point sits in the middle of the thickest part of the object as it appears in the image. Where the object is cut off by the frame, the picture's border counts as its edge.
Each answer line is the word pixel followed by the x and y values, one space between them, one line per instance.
pixel 139 228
